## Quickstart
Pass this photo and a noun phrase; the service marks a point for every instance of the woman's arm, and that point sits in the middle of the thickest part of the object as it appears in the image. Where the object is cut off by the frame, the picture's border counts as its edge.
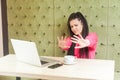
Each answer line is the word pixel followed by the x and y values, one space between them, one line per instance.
pixel 93 38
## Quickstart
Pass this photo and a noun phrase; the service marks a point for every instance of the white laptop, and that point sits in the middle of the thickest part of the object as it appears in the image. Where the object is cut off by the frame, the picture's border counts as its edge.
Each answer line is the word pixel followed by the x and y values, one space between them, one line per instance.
pixel 26 52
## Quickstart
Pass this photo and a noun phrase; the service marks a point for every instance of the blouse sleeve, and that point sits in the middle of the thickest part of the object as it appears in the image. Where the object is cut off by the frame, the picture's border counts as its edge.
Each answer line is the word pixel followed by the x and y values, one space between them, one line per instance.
pixel 93 38
pixel 68 43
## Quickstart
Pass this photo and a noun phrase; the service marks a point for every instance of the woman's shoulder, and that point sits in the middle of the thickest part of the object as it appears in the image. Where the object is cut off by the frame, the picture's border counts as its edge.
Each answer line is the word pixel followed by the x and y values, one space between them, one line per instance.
pixel 93 34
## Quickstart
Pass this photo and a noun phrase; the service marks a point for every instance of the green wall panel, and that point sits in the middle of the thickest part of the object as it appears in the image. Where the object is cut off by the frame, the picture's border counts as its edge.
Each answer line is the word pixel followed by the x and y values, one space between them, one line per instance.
pixel 114 33
pixel 32 20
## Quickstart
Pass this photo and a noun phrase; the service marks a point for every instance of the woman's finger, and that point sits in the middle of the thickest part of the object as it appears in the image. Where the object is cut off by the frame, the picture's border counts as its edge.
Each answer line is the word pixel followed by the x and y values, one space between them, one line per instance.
pixel 80 36
pixel 75 39
pixel 58 38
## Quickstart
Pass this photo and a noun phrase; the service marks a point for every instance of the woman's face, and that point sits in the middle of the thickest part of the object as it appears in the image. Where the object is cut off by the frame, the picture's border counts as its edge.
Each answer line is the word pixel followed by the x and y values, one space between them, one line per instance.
pixel 76 26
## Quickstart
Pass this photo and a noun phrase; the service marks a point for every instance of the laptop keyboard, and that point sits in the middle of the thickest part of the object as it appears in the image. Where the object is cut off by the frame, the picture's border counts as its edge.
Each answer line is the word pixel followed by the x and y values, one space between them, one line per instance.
pixel 43 62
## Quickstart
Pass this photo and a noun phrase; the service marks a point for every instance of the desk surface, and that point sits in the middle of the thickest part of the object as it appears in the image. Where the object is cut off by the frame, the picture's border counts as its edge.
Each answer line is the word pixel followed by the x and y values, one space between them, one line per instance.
pixel 84 69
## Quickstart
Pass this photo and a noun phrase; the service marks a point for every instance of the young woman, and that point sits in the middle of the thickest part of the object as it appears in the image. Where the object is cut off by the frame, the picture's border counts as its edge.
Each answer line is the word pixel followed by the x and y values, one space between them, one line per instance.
pixel 81 43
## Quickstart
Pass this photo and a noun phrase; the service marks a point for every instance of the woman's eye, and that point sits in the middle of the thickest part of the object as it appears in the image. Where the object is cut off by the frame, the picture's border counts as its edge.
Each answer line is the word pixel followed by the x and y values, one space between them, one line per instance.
pixel 76 25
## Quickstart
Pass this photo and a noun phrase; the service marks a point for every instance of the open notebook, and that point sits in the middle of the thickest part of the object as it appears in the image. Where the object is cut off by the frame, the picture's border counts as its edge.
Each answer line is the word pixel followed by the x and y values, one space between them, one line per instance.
pixel 26 52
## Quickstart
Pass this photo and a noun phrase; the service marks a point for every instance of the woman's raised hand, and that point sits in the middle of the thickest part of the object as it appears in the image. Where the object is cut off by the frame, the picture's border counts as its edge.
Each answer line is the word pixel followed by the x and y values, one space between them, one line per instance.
pixel 62 42
pixel 80 40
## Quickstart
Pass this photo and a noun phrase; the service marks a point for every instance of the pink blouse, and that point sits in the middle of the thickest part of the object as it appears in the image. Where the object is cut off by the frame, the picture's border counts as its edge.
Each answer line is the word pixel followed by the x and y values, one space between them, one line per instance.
pixel 92 37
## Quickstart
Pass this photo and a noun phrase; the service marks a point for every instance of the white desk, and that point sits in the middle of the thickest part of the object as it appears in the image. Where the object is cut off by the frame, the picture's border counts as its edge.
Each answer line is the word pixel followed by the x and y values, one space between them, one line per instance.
pixel 85 69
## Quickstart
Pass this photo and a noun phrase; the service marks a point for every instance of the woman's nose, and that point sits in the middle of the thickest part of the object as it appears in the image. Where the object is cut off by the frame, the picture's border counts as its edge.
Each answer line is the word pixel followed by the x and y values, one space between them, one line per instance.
pixel 74 27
